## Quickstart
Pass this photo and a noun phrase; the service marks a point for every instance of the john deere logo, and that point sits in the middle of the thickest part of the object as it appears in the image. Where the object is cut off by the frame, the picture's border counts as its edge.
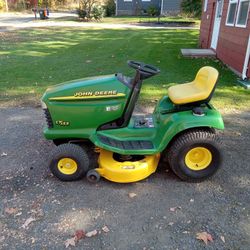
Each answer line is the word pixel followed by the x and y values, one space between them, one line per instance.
pixel 96 93
pixel 88 95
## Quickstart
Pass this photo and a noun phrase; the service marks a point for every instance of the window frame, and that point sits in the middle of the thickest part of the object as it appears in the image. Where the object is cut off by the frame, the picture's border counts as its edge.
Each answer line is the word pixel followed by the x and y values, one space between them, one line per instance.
pixel 228 10
pixel 238 14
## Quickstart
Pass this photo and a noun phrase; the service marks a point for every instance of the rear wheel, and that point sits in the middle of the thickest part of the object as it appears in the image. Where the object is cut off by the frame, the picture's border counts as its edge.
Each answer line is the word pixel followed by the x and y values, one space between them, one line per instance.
pixel 69 162
pixel 195 155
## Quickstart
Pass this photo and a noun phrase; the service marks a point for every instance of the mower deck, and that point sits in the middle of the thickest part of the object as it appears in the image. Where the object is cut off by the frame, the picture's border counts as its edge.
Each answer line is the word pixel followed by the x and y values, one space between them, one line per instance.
pixel 126 171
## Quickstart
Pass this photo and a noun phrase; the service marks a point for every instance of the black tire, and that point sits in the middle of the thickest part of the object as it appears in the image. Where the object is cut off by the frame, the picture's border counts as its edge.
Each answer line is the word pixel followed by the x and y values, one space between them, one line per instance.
pixel 76 154
pixel 191 140
pixel 93 176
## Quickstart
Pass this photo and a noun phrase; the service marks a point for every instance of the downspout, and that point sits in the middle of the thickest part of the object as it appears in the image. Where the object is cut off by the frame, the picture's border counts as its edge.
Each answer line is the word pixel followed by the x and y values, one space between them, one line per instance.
pixel 247 58
pixel 161 6
pixel 211 26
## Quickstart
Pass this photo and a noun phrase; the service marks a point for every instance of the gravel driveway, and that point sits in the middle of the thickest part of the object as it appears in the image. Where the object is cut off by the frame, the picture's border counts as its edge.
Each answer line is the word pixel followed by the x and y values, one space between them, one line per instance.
pixel 219 206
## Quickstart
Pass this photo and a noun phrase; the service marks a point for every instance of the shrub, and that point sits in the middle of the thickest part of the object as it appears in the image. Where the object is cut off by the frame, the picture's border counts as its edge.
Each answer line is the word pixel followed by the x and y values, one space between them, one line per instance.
pixel 153 11
pixel 109 8
pixel 97 12
pixel 192 7
pixel 81 13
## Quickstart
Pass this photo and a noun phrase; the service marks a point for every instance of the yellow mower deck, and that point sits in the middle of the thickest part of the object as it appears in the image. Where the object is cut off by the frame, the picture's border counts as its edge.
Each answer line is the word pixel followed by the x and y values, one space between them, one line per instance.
pixel 127 171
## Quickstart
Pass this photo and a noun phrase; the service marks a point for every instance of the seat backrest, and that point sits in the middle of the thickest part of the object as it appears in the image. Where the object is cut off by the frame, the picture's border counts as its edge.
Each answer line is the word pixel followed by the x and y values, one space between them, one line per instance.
pixel 206 80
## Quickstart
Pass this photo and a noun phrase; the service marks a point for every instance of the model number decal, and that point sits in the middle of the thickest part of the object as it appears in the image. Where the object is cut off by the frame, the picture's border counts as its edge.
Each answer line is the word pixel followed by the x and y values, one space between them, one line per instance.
pixel 62 123
pixel 96 93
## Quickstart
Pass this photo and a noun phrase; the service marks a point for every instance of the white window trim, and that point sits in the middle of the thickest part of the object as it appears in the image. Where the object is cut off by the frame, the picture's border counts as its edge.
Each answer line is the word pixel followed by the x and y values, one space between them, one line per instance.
pixel 127 0
pixel 205 5
pixel 230 2
pixel 238 12
pixel 146 0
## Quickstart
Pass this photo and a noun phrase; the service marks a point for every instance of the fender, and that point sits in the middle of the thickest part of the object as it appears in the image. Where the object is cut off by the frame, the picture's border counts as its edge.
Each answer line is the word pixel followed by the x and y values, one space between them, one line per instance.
pixel 178 122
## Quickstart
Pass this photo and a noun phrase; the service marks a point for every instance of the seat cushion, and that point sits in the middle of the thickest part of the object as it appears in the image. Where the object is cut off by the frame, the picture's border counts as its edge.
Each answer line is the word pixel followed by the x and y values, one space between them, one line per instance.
pixel 196 91
pixel 187 93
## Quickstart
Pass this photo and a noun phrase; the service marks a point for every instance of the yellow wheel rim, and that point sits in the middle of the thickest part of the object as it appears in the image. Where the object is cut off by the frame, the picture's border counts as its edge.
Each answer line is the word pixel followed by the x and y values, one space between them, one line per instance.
pixel 67 166
pixel 198 158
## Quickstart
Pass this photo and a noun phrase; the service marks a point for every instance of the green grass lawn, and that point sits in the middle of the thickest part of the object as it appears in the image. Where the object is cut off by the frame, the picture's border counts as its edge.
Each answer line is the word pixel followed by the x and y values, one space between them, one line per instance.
pixel 32 60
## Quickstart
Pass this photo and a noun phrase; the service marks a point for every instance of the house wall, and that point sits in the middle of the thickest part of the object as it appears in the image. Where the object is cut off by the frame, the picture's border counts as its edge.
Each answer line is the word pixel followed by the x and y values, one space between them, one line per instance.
pixel 135 7
pixel 232 42
pixel 171 7
pixel 207 22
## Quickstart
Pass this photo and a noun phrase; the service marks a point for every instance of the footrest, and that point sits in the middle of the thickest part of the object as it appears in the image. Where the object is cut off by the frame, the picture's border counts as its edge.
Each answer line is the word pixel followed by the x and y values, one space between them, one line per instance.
pixel 127 145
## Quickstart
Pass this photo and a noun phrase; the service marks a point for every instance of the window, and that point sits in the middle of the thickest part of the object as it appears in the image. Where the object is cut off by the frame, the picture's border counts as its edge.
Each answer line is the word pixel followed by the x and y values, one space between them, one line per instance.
pixel 242 15
pixel 205 5
pixel 231 13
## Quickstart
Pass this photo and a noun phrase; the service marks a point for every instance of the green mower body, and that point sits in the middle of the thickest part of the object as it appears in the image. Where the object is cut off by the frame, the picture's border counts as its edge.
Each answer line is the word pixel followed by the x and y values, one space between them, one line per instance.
pixel 76 110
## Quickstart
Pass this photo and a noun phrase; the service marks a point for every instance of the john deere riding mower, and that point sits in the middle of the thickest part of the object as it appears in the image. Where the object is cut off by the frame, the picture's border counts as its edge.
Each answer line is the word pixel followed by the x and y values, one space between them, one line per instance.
pixel 98 111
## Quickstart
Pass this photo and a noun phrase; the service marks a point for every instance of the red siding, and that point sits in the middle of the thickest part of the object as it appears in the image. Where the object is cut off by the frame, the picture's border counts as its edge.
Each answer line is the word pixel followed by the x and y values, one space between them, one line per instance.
pixel 207 22
pixel 232 42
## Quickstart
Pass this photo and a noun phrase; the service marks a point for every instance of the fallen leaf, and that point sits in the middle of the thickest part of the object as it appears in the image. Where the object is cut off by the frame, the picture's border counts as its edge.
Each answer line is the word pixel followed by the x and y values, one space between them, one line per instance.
pixel 91 233
pixel 79 234
pixel 222 238
pixel 105 229
pixel 4 154
pixel 191 200
pixel 173 209
pixel 27 222
pixel 88 61
pixel 205 237
pixel 10 210
pixel 185 232
pixel 171 223
pixel 132 195
pixel 70 242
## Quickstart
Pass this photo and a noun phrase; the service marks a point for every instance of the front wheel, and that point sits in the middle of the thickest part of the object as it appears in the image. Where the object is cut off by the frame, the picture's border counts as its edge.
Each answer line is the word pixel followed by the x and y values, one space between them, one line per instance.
pixel 195 155
pixel 69 162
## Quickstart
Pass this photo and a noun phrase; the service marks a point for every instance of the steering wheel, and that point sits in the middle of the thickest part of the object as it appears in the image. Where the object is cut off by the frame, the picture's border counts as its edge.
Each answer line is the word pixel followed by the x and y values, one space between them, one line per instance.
pixel 144 68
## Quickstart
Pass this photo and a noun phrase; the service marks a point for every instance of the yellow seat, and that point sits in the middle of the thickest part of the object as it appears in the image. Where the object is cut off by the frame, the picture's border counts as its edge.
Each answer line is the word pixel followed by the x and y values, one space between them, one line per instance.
pixel 196 91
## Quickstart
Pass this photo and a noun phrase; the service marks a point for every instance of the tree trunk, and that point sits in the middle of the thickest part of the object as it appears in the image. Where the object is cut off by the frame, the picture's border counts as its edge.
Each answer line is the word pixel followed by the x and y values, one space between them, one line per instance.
pixel 6 5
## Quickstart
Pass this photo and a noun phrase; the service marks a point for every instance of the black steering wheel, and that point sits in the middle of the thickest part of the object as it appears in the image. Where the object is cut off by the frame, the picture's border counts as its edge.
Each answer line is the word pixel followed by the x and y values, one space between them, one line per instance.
pixel 146 69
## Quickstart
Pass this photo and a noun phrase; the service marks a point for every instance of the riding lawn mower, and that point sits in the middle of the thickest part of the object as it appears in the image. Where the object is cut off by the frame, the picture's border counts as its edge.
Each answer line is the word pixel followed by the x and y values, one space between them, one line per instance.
pixel 97 113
